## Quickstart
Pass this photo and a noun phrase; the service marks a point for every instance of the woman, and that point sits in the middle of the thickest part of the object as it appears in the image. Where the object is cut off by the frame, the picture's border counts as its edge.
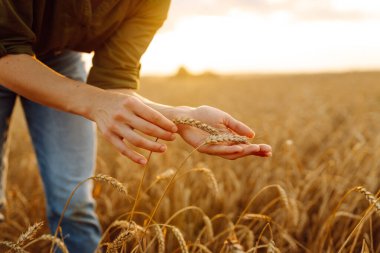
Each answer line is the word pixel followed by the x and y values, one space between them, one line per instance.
pixel 40 61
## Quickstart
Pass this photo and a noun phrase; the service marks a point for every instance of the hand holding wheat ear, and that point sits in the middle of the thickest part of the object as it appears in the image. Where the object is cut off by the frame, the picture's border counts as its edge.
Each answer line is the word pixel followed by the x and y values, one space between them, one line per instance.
pixel 213 126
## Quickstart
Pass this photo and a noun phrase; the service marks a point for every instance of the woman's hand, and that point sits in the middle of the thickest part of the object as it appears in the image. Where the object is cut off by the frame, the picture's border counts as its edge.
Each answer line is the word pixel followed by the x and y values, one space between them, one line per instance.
pixel 118 116
pixel 141 106
pixel 225 123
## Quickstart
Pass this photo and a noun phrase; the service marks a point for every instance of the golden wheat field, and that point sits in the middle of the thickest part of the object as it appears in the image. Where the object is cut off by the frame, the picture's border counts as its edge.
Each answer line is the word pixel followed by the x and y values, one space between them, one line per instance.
pixel 325 133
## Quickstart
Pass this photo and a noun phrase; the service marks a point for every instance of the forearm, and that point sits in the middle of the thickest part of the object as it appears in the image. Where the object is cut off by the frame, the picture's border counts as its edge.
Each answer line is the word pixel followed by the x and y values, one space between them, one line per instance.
pixel 30 78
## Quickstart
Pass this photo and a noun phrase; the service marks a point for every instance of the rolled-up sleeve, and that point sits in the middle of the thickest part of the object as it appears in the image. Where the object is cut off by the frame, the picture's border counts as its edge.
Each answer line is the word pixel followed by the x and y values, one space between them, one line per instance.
pixel 116 64
pixel 16 34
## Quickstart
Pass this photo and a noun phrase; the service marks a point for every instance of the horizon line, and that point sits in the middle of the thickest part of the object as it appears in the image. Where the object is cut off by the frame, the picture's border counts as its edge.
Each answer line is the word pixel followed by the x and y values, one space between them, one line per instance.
pixel 263 73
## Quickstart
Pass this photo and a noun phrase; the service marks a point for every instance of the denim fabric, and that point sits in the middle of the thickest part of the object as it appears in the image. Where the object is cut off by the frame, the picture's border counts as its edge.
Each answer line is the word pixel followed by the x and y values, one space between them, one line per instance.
pixel 65 149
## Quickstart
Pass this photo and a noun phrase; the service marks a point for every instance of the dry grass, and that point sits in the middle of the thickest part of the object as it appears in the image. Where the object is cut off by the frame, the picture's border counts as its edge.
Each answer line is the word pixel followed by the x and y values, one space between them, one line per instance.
pixel 324 130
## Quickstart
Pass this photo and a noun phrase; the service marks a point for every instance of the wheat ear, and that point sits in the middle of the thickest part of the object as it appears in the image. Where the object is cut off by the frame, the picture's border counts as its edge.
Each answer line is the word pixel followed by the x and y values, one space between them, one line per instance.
pixel 208 226
pixel 181 241
pixel 120 240
pixel 216 136
pixel 13 247
pixel 370 197
pixel 196 123
pixel 112 181
pixel 29 234
pixel 160 238
pixel 226 137
pixel 213 184
pixel 255 216
pixel 100 177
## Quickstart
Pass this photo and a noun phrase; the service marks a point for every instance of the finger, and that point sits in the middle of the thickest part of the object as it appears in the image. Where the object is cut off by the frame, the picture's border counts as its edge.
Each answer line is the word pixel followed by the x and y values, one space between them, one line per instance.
pixel 150 129
pixel 265 148
pixel 139 141
pixel 221 149
pixel 239 127
pixel 261 150
pixel 150 115
pixel 124 149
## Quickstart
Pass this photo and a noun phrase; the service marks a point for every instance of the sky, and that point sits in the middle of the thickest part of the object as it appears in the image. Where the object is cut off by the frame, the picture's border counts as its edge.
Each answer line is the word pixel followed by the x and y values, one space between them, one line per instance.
pixel 267 36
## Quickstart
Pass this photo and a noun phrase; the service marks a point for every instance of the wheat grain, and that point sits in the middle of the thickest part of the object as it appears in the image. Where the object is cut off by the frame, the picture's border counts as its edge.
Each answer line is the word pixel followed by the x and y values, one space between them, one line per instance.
pixel 198 124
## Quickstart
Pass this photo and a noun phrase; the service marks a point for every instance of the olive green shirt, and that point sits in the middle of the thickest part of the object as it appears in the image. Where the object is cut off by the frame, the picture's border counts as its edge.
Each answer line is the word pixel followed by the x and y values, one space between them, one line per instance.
pixel 118 31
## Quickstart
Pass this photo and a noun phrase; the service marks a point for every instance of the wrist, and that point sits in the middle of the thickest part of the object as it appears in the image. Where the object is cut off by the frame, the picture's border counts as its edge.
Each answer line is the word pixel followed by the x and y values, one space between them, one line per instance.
pixel 170 112
pixel 85 102
pixel 173 112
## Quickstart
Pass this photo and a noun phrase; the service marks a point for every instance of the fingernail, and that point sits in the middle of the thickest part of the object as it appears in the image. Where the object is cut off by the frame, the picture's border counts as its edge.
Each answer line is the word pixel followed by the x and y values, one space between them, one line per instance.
pixel 174 129
pixel 172 137
pixel 142 161
pixel 163 148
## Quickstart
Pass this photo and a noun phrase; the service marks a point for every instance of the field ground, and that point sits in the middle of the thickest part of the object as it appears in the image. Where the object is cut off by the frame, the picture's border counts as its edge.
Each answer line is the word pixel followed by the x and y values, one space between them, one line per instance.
pixel 325 134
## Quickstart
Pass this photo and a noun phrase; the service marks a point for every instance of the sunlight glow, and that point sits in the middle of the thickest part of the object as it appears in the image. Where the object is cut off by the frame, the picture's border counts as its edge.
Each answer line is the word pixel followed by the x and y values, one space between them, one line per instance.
pixel 249 42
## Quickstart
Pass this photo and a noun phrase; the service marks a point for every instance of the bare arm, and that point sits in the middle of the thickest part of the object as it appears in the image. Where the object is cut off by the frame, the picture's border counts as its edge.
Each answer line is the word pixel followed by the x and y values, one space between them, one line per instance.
pixel 30 78
pixel 116 114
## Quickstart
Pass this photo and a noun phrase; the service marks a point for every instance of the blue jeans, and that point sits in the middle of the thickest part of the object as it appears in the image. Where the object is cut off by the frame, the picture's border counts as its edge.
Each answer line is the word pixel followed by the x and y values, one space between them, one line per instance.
pixel 65 147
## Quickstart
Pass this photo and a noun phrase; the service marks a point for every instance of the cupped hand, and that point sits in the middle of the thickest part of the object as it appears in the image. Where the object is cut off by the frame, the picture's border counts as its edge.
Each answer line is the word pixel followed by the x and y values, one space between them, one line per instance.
pixel 119 115
pixel 224 123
